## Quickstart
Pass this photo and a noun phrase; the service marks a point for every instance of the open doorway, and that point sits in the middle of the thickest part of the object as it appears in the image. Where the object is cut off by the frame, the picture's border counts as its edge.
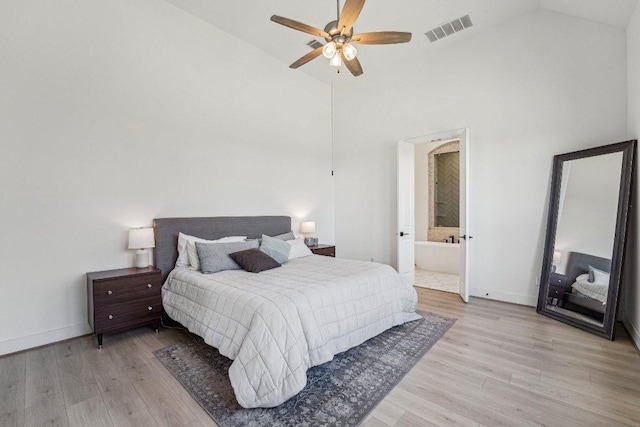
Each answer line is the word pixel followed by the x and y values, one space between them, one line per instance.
pixel 432 211
pixel 437 215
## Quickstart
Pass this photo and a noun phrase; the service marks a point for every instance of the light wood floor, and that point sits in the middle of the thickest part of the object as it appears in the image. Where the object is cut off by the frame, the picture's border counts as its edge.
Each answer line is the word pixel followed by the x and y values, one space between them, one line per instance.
pixel 499 365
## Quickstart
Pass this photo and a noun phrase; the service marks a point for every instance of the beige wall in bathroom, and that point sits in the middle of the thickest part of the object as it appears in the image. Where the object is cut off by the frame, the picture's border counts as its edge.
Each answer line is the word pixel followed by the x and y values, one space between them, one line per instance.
pixel 422 191
pixel 424 167
pixel 438 234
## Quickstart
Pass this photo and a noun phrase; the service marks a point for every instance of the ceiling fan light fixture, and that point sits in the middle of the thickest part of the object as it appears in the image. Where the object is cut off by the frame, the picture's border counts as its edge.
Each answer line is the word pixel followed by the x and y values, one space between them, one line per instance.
pixel 349 51
pixel 339 36
pixel 335 60
pixel 329 50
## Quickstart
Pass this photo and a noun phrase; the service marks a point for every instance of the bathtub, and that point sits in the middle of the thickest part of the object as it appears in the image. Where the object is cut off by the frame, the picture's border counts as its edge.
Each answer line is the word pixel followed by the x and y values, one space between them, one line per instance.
pixel 438 256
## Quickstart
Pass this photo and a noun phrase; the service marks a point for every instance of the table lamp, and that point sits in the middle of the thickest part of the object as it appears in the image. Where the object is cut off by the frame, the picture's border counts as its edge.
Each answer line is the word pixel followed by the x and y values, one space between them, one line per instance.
pixel 557 257
pixel 309 227
pixel 141 239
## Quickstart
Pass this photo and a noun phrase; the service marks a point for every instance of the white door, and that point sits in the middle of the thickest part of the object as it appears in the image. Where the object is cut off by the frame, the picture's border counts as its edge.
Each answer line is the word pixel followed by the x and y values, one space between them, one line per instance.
pixel 464 216
pixel 406 200
pixel 406 213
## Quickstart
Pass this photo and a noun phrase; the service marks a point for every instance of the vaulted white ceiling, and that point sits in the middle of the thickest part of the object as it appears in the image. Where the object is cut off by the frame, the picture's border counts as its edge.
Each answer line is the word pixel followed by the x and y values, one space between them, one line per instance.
pixel 249 21
pixel 611 12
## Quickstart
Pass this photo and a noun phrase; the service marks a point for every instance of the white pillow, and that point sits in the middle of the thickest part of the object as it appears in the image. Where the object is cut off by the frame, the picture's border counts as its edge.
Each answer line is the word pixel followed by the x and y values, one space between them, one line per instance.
pixel 194 258
pixel 599 277
pixel 298 249
pixel 183 254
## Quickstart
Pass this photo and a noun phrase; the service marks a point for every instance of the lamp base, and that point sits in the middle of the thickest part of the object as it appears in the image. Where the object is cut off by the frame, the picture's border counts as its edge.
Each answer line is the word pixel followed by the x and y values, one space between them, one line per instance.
pixel 142 258
pixel 311 241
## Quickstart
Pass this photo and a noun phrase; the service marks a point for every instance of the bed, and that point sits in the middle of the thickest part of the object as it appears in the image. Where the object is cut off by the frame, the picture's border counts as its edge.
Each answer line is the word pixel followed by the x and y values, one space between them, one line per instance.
pixel 578 264
pixel 277 324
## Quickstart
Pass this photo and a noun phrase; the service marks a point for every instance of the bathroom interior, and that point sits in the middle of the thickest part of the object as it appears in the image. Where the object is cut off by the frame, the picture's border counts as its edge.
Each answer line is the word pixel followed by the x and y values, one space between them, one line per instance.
pixel 437 215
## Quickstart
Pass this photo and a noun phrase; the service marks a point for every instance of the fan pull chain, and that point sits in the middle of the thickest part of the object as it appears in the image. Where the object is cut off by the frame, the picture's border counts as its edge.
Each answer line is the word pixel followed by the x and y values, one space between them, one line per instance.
pixel 332 129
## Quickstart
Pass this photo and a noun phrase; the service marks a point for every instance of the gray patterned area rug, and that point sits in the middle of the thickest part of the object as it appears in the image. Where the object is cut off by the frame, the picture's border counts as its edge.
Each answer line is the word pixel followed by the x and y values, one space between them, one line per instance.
pixel 341 392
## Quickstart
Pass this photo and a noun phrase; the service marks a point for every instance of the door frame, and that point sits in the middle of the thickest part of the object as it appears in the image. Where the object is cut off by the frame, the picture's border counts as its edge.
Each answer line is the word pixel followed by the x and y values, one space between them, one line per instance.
pixel 461 134
pixel 406 211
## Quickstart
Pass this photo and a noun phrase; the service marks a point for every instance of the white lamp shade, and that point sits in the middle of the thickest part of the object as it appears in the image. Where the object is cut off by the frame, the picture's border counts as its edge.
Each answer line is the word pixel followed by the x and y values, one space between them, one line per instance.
pixel 557 257
pixel 308 227
pixel 349 51
pixel 141 238
pixel 336 60
pixel 329 50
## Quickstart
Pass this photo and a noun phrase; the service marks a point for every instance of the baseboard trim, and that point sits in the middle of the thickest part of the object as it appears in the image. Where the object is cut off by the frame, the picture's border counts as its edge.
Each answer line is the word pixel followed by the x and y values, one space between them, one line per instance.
pixel 529 300
pixel 43 338
pixel 634 334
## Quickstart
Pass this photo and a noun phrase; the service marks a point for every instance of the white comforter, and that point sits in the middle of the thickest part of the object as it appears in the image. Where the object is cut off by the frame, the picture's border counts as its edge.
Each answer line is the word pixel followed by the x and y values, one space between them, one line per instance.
pixel 277 324
pixel 597 290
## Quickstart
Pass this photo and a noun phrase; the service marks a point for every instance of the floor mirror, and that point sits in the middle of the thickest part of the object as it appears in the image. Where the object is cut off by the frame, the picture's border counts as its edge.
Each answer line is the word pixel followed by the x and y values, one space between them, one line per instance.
pixel 586 234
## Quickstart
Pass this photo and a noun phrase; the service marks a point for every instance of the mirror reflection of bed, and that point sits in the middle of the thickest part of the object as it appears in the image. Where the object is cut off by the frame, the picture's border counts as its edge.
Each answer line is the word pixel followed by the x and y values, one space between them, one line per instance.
pixel 586 234
pixel 580 289
pixel 584 237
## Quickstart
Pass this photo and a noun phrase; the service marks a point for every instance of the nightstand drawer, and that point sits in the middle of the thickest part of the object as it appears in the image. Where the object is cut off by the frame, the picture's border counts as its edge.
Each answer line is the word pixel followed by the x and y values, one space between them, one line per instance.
pixel 119 316
pixel 555 293
pixel 558 280
pixel 125 289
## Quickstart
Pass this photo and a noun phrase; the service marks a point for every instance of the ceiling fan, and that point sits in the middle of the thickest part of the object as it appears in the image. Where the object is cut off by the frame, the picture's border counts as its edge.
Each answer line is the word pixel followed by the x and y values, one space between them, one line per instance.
pixel 340 38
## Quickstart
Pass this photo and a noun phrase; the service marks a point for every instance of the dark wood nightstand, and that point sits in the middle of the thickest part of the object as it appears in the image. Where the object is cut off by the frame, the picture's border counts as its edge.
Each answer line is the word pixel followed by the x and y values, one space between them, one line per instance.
pixel 326 250
pixel 558 284
pixel 123 299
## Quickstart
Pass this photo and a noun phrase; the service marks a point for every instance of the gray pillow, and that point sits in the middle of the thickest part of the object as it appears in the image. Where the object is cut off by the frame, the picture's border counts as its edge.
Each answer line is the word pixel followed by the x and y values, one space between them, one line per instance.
pixel 285 236
pixel 214 257
pixel 254 260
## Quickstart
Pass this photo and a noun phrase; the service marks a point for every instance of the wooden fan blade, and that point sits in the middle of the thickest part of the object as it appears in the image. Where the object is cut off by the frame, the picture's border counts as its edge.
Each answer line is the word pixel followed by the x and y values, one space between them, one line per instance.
pixel 350 12
pixel 381 37
pixel 299 26
pixel 353 65
pixel 308 57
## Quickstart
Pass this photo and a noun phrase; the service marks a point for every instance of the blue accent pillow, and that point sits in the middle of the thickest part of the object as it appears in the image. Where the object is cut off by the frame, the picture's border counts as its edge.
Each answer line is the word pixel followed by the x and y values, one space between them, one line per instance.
pixel 276 248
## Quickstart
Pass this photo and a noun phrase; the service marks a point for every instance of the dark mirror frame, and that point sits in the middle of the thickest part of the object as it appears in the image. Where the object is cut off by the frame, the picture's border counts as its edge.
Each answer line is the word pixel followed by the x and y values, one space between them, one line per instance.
pixel 628 149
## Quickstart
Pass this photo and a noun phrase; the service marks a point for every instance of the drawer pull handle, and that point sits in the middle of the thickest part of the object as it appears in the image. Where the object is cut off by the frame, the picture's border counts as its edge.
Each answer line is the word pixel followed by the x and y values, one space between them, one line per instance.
pixel 109 292
pixel 149 285
pixel 150 308
pixel 110 316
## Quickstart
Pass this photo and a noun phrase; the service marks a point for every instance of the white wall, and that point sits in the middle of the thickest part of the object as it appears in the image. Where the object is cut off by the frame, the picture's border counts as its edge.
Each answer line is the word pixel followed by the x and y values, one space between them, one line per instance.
pixel 587 221
pixel 631 306
pixel 114 113
pixel 540 85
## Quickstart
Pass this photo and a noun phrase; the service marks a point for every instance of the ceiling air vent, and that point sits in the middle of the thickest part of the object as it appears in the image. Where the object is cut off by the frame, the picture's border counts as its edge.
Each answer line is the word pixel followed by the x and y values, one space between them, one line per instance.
pixel 448 28
pixel 314 44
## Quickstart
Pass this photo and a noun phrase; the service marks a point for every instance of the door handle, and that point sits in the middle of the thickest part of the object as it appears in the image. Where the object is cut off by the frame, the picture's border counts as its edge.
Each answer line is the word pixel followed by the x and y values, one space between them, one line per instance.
pixel 402 233
pixel 465 237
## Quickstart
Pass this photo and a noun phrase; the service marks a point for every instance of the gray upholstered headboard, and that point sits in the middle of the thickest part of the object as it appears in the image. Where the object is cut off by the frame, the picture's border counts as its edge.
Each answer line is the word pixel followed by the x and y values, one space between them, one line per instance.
pixel 166 230
pixel 578 263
